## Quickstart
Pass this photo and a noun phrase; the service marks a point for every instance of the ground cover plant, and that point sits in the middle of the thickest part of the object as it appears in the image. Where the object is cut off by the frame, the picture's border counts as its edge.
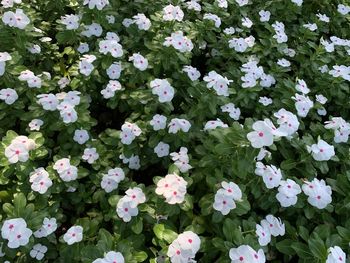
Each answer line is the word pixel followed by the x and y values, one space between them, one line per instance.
pixel 174 131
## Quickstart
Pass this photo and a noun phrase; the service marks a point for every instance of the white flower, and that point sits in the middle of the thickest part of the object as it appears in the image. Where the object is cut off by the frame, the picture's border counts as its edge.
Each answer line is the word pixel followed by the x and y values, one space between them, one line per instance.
pixel 343 9
pixel 261 136
pixel 163 89
pixel 171 13
pixel 10 3
pixel 113 257
pixel 274 225
pixel 110 19
pixel 16 232
pixel 336 255
pixel 176 125
pixel 229 30
pixel 263 234
pixel 136 196
pixel 111 46
pixel 73 235
pixel 142 22
pixel 40 180
pixel 139 61
pixel 297 2
pixel 129 132
pixel 321 99
pixel 81 136
pixel 108 183
pixel 311 27
pixel 288 122
pixel 35 124
pixel 223 202
pixel 158 122
pixel 231 189
pixel 192 72
pixel 83 48
pixel 124 209
pixel 301 86
pixel 222 3
pixel 70 174
pixel 245 254
pixel 246 22
pixel 99 4
pixel 90 155
pixel 264 15
pixel 322 151
pixel 70 21
pixel 133 161
pixel 302 104
pixel 16 152
pixel 173 188
pixel 18 19
pixel 319 194
pixel 323 18
pixel 8 95
pixel 213 17
pixel 114 70
pixel 265 101
pixel 283 63
pixel 242 2
pixel 38 251
pixel 162 149
pixel 61 165
pixel 194 5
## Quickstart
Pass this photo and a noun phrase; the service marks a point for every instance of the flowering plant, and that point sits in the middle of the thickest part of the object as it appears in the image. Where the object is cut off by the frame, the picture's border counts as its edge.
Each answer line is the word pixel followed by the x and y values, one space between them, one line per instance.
pixel 174 131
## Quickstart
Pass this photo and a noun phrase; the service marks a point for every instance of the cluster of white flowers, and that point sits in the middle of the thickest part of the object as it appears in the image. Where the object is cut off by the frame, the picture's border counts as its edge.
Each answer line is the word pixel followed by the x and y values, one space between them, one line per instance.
pixel 288 122
pixel 10 3
pixel 133 162
pixel 19 148
pixel 181 160
pixel 280 35
pixel 234 112
pixel 127 205
pixel 287 193
pixel 142 22
pixel 245 253
pixel 341 129
pixel 112 86
pixel 93 29
pixel 226 196
pixel 253 73
pixel 173 188
pixel 270 226
pixel 111 257
pixel 111 180
pixel 129 131
pixel 271 175
pixel 111 45
pixel 32 80
pixel 16 19
pixel 40 180
pixel 163 89
pixel 178 41
pixel 213 124
pixel 65 170
pixel 303 104
pixel 340 71
pixel 171 13
pixel 73 235
pixel 319 194
pixel 48 227
pixel 218 82
pixel 184 248
pixel 241 44
pixel 16 232
pixel 176 125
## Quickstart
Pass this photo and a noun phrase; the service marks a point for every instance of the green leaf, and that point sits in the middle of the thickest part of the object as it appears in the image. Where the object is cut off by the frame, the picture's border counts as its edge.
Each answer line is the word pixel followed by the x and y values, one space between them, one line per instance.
pixel 318 248
pixel 137 225
pixel 284 247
